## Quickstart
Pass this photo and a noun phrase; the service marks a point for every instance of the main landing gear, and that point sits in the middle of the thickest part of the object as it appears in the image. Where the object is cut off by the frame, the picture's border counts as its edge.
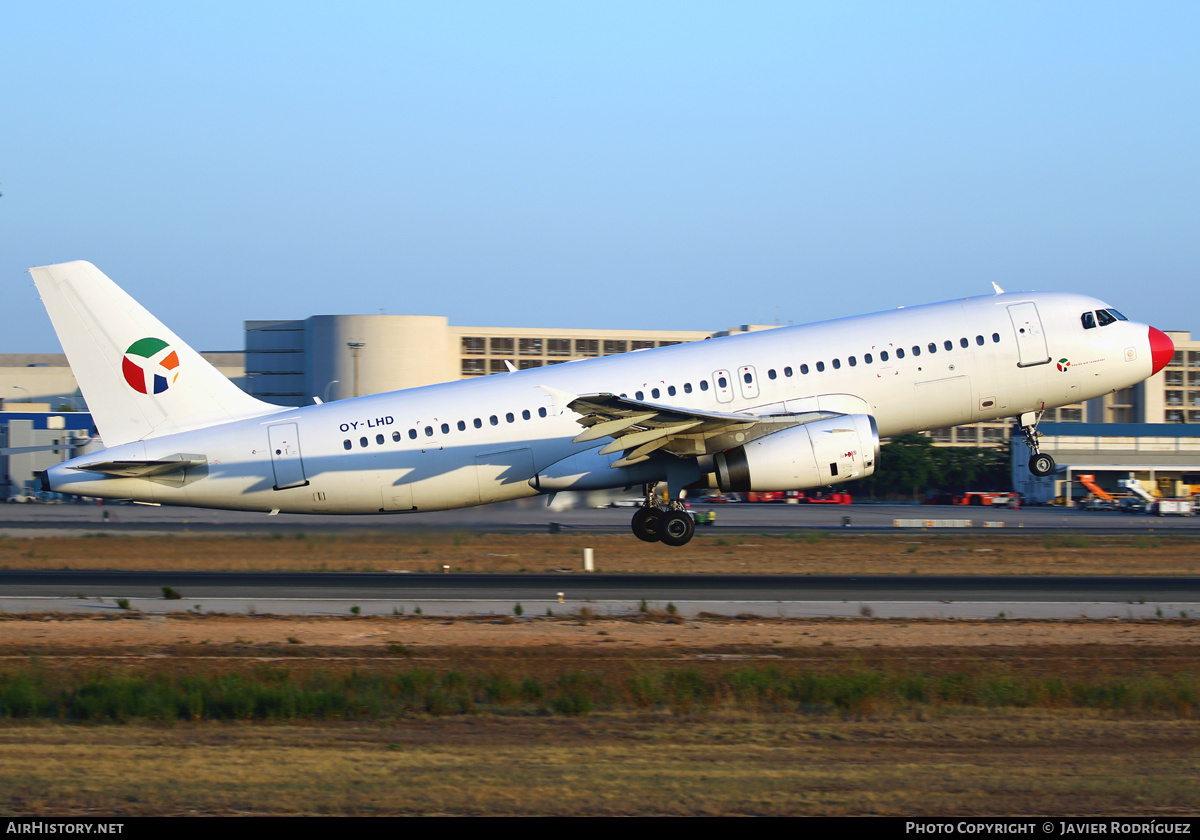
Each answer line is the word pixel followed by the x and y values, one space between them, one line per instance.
pixel 1040 464
pixel 671 525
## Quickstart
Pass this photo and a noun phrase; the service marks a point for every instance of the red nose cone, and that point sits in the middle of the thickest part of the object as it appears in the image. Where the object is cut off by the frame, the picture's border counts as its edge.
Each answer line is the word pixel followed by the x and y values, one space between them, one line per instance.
pixel 1162 349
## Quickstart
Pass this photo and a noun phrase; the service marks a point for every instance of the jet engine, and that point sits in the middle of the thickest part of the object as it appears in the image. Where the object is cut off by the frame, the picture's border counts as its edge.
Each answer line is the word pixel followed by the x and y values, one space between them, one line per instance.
pixel 810 455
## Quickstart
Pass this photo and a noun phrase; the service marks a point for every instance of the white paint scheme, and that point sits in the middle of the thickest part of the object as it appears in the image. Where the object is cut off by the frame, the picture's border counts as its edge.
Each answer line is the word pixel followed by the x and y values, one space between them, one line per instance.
pixel 205 443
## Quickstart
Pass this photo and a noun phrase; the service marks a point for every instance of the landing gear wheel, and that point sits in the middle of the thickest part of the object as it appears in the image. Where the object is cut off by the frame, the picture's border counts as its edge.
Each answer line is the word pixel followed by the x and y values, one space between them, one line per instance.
pixel 645 524
pixel 676 528
pixel 1041 465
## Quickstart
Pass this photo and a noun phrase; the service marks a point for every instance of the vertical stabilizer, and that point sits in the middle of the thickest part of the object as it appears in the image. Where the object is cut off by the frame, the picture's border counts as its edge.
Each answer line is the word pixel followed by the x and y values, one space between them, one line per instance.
pixel 139 379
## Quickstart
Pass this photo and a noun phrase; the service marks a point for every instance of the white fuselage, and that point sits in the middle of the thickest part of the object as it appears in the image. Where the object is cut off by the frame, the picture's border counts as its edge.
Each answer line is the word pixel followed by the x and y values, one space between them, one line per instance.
pixel 484 440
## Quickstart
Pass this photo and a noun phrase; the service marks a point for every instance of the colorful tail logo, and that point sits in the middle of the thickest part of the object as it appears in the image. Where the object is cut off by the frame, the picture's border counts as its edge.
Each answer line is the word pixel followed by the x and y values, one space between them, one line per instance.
pixel 150 366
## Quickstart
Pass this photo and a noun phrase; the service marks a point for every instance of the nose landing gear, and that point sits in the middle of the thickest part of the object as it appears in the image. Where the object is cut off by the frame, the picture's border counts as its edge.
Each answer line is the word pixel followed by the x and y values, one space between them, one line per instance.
pixel 1040 464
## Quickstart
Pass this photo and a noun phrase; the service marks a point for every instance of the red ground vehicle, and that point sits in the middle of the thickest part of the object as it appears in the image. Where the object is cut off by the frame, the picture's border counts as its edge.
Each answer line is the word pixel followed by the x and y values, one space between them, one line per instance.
pixel 800 497
pixel 973 498
pixel 836 497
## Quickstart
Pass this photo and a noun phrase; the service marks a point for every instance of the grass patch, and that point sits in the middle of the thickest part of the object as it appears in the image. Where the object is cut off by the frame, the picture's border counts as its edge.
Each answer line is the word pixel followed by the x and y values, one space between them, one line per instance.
pixel 287 694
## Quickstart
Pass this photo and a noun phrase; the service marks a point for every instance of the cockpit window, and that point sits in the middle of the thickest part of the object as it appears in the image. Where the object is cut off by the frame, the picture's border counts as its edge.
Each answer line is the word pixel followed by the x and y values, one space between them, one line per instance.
pixel 1104 318
pixel 1089 320
pixel 1117 315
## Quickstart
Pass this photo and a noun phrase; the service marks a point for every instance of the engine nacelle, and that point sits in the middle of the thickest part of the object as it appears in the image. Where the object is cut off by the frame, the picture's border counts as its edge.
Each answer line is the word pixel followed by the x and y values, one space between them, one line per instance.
pixel 812 455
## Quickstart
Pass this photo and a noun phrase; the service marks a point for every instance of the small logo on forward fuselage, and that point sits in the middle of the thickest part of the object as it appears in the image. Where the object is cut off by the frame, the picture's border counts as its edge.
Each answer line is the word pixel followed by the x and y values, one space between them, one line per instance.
pixel 1063 364
pixel 150 366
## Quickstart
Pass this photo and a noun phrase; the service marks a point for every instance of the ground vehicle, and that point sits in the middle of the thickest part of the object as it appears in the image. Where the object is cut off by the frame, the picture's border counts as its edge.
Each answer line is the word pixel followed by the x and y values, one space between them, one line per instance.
pixel 1172 507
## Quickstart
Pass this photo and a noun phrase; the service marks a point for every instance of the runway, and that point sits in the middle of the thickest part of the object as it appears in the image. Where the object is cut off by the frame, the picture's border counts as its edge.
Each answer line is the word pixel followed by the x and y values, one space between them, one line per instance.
pixel 533 516
pixel 98 592
pixel 900 596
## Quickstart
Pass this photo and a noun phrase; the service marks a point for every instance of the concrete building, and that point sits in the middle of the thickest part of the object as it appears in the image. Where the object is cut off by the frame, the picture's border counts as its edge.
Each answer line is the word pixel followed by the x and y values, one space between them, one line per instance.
pixel 42 438
pixel 338 356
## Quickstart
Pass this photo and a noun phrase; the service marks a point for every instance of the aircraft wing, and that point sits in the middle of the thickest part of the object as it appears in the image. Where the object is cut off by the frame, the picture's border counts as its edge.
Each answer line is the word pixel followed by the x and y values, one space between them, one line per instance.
pixel 640 428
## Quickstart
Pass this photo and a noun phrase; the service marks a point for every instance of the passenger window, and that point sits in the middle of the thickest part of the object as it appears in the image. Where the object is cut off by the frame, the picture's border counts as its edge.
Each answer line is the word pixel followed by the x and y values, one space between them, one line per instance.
pixel 379 439
pixel 853 361
pixel 478 423
pixel 837 364
pixel 1104 318
pixel 820 366
pixel 670 390
pixel 655 393
pixel 346 444
pixel 362 441
pixel 494 420
pixel 963 342
pixel 883 355
pixel 396 437
pixel 867 358
pixel 771 373
pixel 899 352
pixel 804 369
pixel 1089 320
pixel 541 412
pixel 445 428
pixel 723 382
pixel 525 415
pixel 747 378
pixel 429 431
pixel 948 344
pixel 687 387
pixel 412 434
pixel 638 395
pixel 462 426
pixel 703 384
pixel 509 417
pixel 979 340
pixel 995 338
pixel 932 347
pixel 787 371
pixel 916 350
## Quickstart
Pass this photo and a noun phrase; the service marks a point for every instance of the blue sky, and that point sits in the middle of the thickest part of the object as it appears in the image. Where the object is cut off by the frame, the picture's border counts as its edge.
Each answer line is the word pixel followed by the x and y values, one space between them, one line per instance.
pixel 624 165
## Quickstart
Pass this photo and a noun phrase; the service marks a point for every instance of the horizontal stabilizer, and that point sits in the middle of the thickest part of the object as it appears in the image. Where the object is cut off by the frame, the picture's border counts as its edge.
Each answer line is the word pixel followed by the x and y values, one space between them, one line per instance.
pixel 142 469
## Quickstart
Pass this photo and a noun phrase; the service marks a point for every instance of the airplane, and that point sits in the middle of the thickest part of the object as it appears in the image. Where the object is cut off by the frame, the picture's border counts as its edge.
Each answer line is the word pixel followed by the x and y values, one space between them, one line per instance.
pixel 784 409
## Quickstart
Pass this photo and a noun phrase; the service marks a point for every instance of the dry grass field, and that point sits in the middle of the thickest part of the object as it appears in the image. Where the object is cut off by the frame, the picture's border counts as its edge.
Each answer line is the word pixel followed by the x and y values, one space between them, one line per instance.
pixel 810 552
pixel 965 763
pixel 578 716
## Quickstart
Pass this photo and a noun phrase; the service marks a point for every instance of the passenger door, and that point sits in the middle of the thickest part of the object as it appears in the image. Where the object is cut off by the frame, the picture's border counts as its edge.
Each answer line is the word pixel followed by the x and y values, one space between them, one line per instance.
pixel 285 456
pixel 1031 341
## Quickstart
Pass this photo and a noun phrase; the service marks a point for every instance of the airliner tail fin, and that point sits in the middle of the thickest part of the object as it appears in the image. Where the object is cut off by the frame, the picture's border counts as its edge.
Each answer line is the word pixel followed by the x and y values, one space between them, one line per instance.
pixel 140 380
